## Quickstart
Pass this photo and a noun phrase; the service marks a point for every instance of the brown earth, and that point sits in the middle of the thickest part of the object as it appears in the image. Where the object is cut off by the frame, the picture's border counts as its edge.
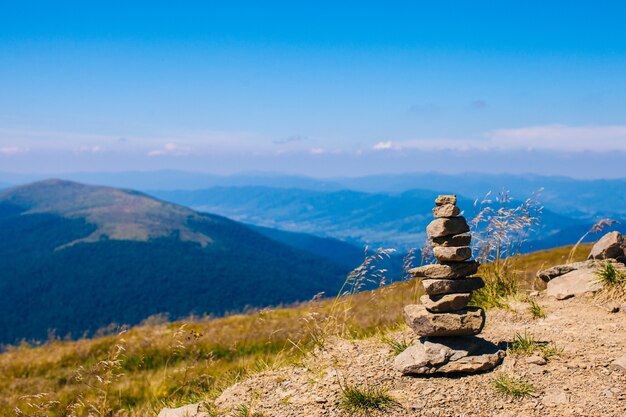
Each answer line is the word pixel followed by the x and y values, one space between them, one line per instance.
pixel 577 382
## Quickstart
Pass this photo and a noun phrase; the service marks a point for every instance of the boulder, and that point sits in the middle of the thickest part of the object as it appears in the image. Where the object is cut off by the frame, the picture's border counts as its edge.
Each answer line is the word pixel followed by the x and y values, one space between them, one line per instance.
pixel 448 355
pixel 446 227
pixel 452 253
pixel 576 282
pixel 445 199
pixel 610 246
pixel 466 322
pixel 463 239
pixel 452 270
pixel 451 286
pixel 445 303
pixel 447 210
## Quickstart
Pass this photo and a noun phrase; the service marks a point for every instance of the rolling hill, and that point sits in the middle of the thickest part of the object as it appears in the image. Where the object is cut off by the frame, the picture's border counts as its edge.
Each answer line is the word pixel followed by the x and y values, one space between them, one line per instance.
pixel 75 258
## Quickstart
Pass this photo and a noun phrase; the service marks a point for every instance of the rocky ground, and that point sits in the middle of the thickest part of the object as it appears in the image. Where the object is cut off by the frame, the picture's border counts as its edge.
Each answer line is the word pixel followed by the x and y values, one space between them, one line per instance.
pixel 578 382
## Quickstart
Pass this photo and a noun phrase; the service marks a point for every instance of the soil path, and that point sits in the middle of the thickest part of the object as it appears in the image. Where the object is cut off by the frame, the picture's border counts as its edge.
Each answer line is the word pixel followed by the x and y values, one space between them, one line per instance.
pixel 578 382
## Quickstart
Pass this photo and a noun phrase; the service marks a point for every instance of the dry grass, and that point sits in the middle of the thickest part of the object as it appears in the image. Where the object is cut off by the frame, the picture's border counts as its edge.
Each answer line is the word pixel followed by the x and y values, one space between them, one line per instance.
pixel 172 364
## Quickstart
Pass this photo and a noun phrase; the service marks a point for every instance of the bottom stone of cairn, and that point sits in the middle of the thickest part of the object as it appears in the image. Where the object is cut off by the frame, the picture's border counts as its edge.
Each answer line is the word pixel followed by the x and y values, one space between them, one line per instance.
pixel 448 355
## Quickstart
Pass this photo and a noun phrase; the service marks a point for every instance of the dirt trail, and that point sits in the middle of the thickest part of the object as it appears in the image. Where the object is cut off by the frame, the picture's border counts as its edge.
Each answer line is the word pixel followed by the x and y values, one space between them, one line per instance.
pixel 578 382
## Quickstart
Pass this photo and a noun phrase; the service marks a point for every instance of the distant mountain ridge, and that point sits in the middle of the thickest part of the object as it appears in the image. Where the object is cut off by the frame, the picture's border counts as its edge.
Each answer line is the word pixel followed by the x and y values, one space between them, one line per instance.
pixel 578 198
pixel 390 220
pixel 75 258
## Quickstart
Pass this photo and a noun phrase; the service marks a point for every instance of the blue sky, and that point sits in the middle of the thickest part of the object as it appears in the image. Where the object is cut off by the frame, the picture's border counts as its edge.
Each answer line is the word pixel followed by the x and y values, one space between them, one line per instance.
pixel 322 88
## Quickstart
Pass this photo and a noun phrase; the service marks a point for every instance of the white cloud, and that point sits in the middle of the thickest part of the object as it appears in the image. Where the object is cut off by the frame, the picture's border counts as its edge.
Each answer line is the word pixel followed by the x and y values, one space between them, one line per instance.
pixel 12 150
pixel 562 137
pixel 317 151
pixel 549 137
pixel 383 145
pixel 90 149
pixel 170 149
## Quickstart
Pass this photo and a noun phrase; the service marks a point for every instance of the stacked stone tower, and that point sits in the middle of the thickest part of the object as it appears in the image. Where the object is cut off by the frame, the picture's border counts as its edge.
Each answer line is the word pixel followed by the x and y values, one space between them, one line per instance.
pixel 446 324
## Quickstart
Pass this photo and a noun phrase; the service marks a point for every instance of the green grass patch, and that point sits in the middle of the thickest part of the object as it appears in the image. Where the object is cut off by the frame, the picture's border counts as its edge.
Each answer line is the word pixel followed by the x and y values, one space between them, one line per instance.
pixel 608 276
pixel 536 310
pixel 526 345
pixel 514 387
pixel 357 400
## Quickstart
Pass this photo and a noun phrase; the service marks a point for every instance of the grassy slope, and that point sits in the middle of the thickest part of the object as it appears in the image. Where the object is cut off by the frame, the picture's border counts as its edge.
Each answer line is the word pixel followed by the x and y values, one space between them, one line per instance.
pixel 177 363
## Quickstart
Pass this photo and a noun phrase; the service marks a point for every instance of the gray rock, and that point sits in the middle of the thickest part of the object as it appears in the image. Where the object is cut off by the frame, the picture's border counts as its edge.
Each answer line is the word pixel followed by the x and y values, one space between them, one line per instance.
pixel 445 199
pixel 451 286
pixel 576 282
pixel 556 271
pixel 466 322
pixel 610 246
pixel 445 303
pixel 452 270
pixel 463 239
pixel 446 227
pixel 619 364
pixel 452 253
pixel 190 410
pixel 447 210
pixel 555 396
pixel 448 355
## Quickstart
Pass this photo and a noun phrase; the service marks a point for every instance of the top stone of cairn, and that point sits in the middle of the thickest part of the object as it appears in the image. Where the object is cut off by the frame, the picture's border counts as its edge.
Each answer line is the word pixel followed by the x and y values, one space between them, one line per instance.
pixel 445 199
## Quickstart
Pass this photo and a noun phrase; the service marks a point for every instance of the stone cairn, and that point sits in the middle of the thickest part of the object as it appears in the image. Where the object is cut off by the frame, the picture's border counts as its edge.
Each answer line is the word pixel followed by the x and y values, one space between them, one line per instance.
pixel 446 325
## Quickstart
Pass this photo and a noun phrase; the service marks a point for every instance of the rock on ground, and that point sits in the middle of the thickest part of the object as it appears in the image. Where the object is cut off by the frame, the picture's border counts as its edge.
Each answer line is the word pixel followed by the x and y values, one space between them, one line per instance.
pixel 610 246
pixel 448 355
pixel 576 282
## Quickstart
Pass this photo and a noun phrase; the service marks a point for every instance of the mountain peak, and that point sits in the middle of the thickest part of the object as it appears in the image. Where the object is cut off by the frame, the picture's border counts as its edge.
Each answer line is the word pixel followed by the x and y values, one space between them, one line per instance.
pixel 117 214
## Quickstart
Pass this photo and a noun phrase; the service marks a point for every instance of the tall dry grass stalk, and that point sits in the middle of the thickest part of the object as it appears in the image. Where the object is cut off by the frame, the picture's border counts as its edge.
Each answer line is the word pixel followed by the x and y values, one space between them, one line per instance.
pixel 337 320
pixel 596 228
pixel 499 229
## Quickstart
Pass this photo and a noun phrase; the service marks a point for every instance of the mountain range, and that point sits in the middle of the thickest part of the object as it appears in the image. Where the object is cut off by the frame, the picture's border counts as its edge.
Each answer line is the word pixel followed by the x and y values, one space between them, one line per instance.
pixel 75 258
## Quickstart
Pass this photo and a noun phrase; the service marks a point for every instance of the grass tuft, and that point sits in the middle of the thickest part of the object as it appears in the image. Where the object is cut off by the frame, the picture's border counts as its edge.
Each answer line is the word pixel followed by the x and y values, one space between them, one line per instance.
pixel 608 276
pixel 536 310
pixel 363 400
pixel 397 346
pixel 509 385
pixel 526 345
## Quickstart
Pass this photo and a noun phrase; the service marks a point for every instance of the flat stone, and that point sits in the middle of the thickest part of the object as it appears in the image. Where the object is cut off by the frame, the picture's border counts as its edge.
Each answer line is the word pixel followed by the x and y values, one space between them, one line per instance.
pixel 448 355
pixel 555 396
pixel 576 282
pixel 452 253
pixel 450 270
pixel 549 274
pixel 619 364
pixel 446 227
pixel 610 246
pixel 190 410
pixel 466 322
pixel 445 303
pixel 447 210
pixel 463 239
pixel 452 286
pixel 445 199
